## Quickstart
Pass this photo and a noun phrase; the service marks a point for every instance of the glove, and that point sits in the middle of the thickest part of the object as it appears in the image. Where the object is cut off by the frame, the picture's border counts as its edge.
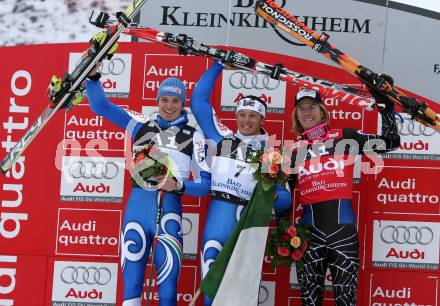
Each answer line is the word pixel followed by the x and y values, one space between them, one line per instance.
pixel 381 98
pixel 94 75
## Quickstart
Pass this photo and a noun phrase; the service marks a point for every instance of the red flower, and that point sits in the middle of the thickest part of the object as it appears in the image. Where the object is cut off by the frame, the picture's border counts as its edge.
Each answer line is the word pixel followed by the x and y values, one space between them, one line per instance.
pixel 140 156
pixel 283 251
pixel 285 237
pixel 296 255
pixel 273 170
pixel 291 230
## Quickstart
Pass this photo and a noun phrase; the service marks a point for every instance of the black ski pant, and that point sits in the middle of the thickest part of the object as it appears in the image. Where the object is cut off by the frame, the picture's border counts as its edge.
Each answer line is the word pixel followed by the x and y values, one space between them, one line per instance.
pixel 334 246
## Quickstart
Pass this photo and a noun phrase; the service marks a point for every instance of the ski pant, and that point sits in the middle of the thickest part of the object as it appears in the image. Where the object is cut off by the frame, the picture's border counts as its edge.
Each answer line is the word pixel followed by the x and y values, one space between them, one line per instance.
pixel 138 231
pixel 335 245
pixel 221 219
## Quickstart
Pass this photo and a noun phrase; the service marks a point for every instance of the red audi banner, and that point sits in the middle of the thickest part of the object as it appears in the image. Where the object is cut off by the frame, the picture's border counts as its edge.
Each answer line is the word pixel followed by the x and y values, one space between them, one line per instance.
pixel 78 233
pixel 159 67
pixel 405 189
pixel 400 288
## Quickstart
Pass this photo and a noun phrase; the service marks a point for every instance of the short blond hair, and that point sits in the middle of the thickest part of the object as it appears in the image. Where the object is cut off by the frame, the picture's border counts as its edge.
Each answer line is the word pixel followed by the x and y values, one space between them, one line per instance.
pixel 297 128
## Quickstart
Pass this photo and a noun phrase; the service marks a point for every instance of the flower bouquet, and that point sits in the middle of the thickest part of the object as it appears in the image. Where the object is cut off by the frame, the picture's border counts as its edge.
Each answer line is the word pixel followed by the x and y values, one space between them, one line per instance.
pixel 287 243
pixel 148 163
pixel 270 170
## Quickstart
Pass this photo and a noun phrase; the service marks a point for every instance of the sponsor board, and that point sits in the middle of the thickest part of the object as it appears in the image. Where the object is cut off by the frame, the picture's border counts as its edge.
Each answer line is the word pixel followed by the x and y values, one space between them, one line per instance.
pixel 158 67
pixel 84 130
pixel 239 83
pixel 115 74
pixel 88 232
pixel 402 288
pixel 405 190
pixel 234 23
pixel 406 245
pixel 18 93
pixel 190 233
pixel 84 283
pixel 417 142
pixel 91 179
pixel 343 115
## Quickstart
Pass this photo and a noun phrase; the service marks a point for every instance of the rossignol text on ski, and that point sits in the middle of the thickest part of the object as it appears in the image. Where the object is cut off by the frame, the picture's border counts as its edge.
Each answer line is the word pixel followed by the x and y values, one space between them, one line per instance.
pixel 281 19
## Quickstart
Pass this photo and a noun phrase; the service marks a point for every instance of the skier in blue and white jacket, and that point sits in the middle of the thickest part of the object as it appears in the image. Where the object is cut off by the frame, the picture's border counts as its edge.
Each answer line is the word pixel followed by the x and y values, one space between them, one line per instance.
pixel 232 181
pixel 184 145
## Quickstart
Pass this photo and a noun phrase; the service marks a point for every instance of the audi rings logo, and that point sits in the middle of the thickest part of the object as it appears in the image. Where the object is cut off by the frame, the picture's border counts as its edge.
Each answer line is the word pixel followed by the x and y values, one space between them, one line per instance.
pixel 251 80
pixel 263 295
pixel 86 275
pixel 93 169
pixel 407 234
pixel 115 66
pixel 187 226
pixel 409 127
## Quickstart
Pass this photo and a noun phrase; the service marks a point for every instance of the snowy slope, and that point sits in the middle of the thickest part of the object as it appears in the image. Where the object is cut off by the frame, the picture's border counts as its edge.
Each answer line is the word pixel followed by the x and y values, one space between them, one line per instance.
pixel 50 21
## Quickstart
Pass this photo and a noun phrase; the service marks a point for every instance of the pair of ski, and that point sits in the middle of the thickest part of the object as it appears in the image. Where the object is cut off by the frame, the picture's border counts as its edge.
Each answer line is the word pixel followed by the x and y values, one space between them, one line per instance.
pixel 281 19
pixel 66 90
pixel 63 92
pixel 189 46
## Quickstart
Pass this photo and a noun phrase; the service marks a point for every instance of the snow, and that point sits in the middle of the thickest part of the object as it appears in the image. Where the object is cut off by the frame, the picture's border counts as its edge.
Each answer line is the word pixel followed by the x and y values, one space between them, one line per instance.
pixel 51 21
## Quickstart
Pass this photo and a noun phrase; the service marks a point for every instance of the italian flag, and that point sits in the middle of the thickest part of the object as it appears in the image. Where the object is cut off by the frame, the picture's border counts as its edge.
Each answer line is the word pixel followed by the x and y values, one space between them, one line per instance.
pixel 234 278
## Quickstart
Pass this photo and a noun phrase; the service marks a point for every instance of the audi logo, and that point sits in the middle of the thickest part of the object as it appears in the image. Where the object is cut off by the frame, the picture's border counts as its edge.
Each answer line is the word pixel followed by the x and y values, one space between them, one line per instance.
pixel 410 127
pixel 411 235
pixel 115 66
pixel 251 80
pixel 86 275
pixel 93 169
pixel 263 295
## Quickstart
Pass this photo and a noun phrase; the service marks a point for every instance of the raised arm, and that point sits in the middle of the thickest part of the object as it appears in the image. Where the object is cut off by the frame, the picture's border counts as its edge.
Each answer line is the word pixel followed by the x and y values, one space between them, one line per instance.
pixel 389 139
pixel 102 106
pixel 200 105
